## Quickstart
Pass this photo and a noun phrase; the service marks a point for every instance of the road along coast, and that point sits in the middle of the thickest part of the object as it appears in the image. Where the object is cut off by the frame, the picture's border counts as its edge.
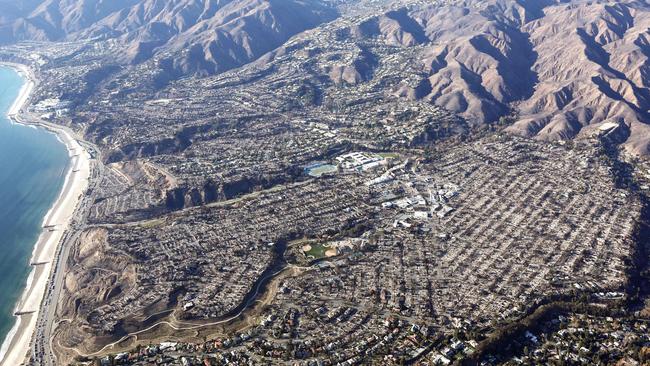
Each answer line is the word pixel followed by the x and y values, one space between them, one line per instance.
pixel 16 346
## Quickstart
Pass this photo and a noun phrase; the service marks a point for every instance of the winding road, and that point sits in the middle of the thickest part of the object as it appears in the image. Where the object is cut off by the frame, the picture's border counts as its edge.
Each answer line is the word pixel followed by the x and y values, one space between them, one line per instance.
pixel 177 325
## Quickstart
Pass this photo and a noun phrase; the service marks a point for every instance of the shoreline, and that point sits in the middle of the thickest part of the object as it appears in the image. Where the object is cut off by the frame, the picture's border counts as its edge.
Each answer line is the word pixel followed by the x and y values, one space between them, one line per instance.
pixel 25 90
pixel 56 222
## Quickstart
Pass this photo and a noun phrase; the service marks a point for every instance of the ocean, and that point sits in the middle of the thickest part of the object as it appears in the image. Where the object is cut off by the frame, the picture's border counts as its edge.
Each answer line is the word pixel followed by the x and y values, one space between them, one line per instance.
pixel 33 164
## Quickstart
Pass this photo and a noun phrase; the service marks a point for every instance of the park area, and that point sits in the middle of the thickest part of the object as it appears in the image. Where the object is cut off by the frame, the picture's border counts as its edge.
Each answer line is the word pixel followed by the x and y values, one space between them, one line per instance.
pixel 319 250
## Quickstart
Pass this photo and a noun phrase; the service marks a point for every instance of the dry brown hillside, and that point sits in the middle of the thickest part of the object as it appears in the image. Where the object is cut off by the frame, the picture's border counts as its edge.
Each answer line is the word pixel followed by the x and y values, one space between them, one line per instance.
pixel 564 68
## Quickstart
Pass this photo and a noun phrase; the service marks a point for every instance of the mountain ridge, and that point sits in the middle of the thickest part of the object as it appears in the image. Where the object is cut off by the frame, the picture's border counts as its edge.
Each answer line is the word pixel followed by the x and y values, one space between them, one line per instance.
pixel 502 58
pixel 219 34
pixel 558 68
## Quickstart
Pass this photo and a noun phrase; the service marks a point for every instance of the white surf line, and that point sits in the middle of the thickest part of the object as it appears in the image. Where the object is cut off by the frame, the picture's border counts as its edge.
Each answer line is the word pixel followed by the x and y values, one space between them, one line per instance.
pixel 16 344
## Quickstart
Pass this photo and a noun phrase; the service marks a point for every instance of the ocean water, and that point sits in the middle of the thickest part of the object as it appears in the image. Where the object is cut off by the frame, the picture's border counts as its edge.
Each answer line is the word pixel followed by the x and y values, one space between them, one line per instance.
pixel 33 164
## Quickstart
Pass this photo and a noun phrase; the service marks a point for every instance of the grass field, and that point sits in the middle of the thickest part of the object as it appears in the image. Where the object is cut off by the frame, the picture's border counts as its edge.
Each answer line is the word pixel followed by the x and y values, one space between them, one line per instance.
pixel 317 251
pixel 322 169
pixel 389 155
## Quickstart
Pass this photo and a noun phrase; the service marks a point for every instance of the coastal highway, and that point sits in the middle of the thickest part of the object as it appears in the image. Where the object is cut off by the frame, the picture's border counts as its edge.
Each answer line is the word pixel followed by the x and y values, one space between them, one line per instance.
pixel 41 346
pixel 41 352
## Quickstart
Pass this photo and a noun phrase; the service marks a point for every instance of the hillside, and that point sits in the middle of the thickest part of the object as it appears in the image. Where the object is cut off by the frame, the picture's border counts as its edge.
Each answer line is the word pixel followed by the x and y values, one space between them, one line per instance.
pixel 562 68
pixel 201 36
pixel 342 181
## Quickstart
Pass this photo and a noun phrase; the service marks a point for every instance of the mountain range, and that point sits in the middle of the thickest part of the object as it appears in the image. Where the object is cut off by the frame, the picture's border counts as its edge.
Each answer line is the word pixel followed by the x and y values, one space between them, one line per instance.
pixel 561 69
pixel 201 36
pixel 557 69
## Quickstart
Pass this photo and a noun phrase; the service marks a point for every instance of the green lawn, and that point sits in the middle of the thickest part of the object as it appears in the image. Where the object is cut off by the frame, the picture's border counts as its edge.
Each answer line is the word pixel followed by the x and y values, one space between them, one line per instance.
pixel 323 169
pixel 317 251
pixel 388 155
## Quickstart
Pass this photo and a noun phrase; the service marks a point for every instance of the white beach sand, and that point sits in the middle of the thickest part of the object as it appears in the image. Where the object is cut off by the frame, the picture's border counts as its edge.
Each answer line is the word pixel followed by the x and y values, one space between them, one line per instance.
pixel 25 91
pixel 17 344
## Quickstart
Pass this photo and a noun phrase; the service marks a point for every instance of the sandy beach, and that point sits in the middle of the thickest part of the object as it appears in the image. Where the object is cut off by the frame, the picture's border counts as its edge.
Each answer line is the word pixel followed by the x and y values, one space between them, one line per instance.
pixel 25 91
pixel 16 346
